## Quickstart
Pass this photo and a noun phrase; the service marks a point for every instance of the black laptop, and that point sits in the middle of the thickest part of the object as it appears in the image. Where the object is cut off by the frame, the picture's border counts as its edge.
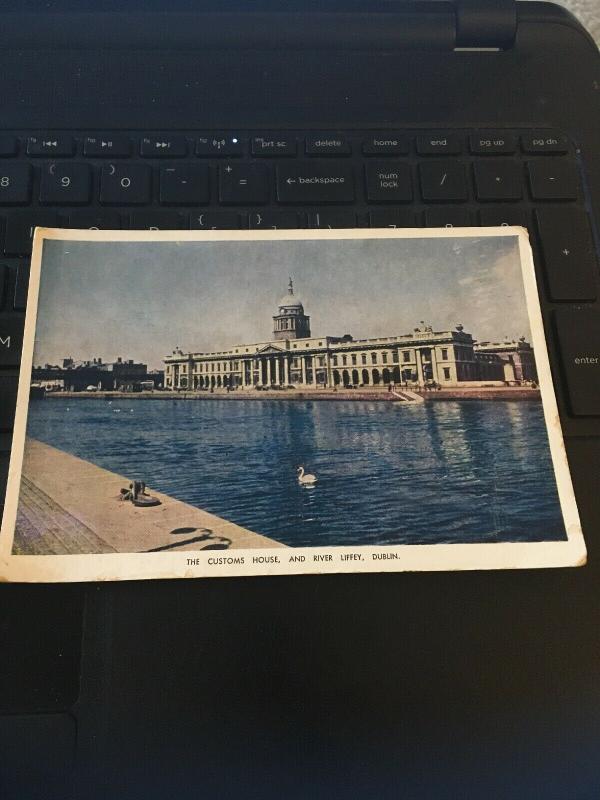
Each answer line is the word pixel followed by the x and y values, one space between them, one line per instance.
pixel 441 685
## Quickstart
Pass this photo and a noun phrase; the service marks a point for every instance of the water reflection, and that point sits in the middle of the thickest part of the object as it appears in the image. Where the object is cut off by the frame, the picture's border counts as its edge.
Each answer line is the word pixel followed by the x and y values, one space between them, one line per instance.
pixel 437 472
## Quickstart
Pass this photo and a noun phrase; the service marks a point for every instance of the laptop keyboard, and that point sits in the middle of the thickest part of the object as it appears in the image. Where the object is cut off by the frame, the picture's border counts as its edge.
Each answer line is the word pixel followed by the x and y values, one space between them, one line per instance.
pixel 268 180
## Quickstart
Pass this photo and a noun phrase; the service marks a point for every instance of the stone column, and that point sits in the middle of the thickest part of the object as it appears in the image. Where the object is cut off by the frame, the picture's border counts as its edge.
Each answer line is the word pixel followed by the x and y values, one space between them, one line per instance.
pixel 303 365
pixel 434 372
pixel 243 366
pixel 277 372
pixel 268 372
pixel 420 378
pixel 286 370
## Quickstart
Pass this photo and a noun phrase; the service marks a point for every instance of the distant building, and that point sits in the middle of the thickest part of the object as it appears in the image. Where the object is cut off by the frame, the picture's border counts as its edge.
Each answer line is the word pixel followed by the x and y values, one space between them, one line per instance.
pixel 78 376
pixel 518 361
pixel 294 357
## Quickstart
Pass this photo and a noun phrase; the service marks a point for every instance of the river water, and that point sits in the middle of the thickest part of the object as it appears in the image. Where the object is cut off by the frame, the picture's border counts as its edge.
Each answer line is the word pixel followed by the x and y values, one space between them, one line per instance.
pixel 387 473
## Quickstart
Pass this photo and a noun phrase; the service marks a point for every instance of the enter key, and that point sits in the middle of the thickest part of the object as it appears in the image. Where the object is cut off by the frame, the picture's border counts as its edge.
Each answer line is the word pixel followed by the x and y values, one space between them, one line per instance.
pixel 579 343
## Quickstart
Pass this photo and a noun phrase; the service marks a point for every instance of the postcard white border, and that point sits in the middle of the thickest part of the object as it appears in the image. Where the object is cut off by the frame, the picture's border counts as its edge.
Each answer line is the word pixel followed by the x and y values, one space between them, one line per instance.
pixel 422 557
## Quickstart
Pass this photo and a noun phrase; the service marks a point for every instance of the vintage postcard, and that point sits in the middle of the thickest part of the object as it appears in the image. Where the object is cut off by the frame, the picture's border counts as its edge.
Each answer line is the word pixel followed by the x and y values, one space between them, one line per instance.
pixel 202 404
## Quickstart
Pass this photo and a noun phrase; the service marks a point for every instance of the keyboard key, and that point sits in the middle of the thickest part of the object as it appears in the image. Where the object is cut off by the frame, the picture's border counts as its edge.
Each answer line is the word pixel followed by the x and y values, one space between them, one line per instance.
pixel 20 228
pixel 50 145
pixel 15 183
pixel 443 181
pixel 21 287
pixel 273 145
pixel 327 144
pixel 3 282
pixel 498 180
pixel 9 146
pixel 448 217
pixel 219 146
pixel 185 185
pixel 385 144
pixel 568 252
pixel 157 221
pixel 125 184
pixel 392 218
pixel 275 220
pixel 504 216
pixel 243 184
pixel 11 340
pixel 315 182
pixel 167 147
pixel 439 145
pixel 93 220
pixel 8 400
pixel 332 218
pixel 493 143
pixel 579 344
pixel 107 146
pixel 553 179
pixel 545 143
pixel 388 182
pixel 66 183
pixel 4 462
pixel 215 221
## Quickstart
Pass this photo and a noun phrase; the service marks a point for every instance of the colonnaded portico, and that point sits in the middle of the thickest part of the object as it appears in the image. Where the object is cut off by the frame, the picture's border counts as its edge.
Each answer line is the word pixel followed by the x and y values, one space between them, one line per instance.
pixel 295 358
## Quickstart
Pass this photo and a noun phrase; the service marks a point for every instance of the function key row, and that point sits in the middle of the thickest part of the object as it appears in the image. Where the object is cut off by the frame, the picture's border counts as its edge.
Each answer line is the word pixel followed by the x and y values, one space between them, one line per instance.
pixel 295 182
pixel 389 143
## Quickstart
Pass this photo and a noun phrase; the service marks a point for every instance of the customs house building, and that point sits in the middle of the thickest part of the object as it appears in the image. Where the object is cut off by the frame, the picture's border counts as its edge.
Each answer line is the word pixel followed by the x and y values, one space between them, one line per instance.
pixel 293 357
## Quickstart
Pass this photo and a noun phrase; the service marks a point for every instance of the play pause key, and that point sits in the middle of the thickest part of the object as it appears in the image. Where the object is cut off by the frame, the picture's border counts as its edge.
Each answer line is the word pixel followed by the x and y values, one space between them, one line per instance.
pixel 579 342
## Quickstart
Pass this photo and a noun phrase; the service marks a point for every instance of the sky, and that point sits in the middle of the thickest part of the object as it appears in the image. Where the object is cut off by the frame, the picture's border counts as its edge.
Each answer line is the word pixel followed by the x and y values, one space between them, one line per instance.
pixel 141 300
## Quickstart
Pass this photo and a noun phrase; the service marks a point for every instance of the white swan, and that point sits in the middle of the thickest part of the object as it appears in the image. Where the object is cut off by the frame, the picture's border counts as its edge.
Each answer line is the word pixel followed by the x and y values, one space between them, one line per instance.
pixel 306 479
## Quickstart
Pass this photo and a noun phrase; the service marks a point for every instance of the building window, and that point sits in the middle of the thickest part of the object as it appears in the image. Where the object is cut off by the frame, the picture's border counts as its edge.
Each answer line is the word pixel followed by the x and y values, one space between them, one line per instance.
pixel 395 356
pixel 334 361
pixel 406 356
pixel 446 373
pixel 373 358
pixel 344 360
pixel 353 358
pixel 384 358
pixel 444 354
pixel 363 358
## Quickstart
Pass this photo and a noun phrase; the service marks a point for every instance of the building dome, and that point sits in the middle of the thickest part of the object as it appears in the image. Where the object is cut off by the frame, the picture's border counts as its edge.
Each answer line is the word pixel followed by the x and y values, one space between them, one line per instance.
pixel 290 301
pixel 290 321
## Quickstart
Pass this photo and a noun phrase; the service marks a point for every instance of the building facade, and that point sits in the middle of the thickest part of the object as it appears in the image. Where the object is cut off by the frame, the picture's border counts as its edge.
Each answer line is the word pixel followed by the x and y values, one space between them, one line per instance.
pixel 78 376
pixel 293 357
pixel 518 360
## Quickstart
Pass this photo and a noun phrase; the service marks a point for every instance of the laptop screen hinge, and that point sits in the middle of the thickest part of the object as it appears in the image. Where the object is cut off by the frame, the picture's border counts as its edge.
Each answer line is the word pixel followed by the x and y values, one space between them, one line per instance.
pixel 485 24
